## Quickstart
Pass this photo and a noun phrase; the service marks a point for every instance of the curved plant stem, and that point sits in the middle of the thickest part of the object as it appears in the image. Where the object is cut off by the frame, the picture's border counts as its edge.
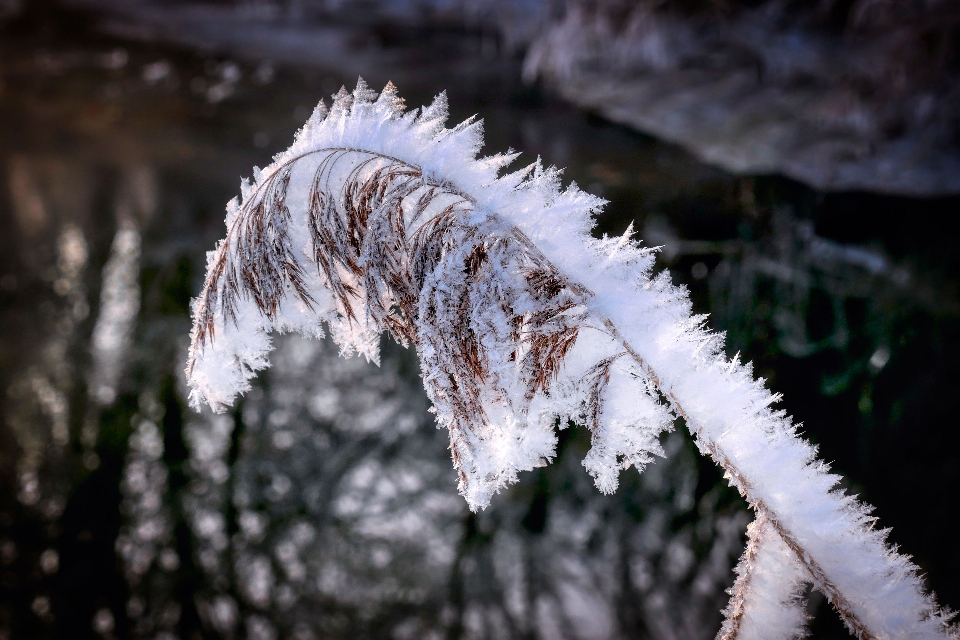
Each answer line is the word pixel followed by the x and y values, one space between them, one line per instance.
pixel 394 180
pixel 817 575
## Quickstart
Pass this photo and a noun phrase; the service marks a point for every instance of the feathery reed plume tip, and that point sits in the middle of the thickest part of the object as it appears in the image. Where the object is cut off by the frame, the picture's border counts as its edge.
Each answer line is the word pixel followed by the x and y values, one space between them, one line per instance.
pixel 379 219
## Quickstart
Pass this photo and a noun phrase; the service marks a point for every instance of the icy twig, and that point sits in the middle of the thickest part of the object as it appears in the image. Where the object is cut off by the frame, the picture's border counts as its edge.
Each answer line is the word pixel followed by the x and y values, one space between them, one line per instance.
pixel 377 219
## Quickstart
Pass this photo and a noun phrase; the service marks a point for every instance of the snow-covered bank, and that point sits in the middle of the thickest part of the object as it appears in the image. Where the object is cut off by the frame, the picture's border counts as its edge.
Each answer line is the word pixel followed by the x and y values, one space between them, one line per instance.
pixel 841 96
pixel 859 100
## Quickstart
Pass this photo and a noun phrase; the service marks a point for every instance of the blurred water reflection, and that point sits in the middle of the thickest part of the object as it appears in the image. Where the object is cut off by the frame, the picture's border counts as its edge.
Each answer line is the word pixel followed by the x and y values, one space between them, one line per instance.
pixel 325 505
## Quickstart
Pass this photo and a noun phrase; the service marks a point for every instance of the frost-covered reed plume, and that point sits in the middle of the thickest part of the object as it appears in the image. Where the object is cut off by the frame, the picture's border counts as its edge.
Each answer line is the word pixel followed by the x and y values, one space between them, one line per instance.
pixel 377 219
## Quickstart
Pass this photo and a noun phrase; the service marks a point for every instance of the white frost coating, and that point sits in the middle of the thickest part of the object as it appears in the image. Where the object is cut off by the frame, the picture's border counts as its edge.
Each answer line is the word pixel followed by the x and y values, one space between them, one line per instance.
pixel 766 602
pixel 634 339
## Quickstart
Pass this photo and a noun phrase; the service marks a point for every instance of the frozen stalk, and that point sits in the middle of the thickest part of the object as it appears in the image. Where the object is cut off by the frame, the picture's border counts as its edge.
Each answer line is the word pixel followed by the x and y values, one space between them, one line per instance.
pixel 766 599
pixel 377 219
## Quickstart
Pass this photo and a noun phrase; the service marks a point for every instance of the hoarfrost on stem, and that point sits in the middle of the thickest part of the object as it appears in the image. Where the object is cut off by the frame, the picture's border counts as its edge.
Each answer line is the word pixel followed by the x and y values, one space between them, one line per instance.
pixel 379 219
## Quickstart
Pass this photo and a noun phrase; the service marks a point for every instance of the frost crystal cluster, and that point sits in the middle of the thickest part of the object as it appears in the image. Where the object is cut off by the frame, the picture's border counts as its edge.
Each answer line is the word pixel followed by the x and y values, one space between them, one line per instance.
pixel 379 219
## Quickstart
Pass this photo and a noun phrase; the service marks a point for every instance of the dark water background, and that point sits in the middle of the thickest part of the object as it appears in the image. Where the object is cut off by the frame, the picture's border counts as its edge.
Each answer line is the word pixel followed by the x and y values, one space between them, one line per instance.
pixel 123 514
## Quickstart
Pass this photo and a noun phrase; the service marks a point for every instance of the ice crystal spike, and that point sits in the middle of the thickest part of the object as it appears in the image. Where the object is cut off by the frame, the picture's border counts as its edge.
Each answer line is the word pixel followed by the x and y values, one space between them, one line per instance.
pixel 379 219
